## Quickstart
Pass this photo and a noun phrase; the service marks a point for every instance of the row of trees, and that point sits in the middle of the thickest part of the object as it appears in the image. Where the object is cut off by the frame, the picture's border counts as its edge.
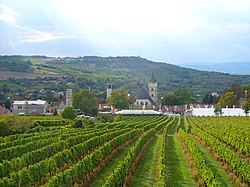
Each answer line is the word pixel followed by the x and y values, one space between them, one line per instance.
pixel 179 96
pixel 87 101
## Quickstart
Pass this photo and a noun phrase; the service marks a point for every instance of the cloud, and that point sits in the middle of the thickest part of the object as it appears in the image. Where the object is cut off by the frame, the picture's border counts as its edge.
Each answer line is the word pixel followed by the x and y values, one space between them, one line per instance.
pixel 239 27
pixel 164 30
pixel 7 14
pixel 41 36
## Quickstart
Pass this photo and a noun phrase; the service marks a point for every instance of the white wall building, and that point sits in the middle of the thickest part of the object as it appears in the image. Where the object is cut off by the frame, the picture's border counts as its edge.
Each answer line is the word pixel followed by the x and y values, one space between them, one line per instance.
pixel 210 112
pixel 30 107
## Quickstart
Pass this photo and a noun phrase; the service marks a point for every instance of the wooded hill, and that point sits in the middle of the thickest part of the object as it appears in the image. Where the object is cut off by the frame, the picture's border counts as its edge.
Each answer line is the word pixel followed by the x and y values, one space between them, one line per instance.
pixel 123 72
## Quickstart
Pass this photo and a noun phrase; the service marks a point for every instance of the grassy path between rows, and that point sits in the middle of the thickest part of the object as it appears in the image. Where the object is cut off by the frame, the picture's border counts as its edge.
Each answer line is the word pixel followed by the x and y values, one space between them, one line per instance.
pixel 219 172
pixel 178 170
pixel 100 179
pixel 148 171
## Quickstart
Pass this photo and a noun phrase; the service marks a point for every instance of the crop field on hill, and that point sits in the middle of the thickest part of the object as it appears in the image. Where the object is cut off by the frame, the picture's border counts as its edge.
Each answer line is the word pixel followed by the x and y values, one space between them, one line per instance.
pixel 136 151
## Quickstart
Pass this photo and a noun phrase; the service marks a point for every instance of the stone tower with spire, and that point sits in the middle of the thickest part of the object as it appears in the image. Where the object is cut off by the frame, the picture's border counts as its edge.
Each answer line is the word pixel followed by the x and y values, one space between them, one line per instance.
pixel 152 89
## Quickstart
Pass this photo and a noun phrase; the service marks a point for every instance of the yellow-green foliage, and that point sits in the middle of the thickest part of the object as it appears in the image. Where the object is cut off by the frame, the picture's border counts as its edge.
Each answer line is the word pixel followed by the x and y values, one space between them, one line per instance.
pixel 11 124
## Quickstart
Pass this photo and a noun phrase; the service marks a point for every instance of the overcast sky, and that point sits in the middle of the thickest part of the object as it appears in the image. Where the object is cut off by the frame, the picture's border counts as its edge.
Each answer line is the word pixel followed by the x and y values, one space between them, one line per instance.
pixel 173 31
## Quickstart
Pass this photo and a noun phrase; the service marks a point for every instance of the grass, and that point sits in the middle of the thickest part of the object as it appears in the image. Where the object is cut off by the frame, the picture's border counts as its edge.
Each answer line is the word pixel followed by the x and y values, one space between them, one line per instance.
pixel 148 171
pixel 100 179
pixel 178 170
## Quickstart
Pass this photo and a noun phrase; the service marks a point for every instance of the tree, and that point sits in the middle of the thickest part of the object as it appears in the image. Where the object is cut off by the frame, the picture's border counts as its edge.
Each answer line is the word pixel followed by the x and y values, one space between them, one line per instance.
pixel 180 96
pixel 7 104
pixel 119 99
pixel 227 99
pixel 85 101
pixel 69 113
pixel 55 111
pixel 238 91
pixel 218 111
pixel 210 99
pixel 246 107
pixel 94 111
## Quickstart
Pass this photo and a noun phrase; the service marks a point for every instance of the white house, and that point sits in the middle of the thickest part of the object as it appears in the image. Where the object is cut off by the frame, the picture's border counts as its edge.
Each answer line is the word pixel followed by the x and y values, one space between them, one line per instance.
pixel 30 107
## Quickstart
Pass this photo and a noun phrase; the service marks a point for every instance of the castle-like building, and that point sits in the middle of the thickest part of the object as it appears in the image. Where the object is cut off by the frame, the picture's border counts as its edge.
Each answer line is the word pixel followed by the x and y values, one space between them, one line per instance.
pixel 148 97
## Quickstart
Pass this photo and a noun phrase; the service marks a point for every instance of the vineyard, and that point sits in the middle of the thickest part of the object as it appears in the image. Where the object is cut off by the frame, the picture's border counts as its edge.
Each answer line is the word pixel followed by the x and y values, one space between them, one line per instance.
pixel 135 151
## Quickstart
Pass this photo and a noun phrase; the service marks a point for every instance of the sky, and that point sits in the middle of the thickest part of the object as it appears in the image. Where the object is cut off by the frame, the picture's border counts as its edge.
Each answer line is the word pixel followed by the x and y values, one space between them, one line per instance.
pixel 172 31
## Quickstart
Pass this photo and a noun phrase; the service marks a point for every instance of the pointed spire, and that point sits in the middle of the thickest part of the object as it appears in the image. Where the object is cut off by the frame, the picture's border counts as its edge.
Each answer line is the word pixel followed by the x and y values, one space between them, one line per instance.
pixel 153 77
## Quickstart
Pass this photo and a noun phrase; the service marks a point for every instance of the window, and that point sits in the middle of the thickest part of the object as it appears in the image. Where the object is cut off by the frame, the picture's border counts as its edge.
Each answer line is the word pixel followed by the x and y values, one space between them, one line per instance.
pixel 152 89
pixel 141 103
pixel 152 95
pixel 146 103
pixel 19 107
pixel 137 103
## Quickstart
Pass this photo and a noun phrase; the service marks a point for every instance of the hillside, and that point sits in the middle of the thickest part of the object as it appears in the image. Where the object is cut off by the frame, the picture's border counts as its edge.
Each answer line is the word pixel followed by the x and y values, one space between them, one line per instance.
pixel 127 72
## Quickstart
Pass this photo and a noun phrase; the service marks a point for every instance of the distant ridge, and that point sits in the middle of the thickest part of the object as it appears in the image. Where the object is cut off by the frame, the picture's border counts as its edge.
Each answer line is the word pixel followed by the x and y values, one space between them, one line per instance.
pixel 236 68
pixel 129 72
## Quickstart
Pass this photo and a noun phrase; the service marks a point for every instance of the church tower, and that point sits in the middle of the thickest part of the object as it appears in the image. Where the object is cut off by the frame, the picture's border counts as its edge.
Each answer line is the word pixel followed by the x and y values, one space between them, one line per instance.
pixel 109 90
pixel 69 97
pixel 152 89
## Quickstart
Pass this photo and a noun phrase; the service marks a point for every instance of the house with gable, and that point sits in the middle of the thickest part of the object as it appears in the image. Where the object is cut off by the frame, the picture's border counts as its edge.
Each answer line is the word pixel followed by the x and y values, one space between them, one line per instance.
pixel 147 97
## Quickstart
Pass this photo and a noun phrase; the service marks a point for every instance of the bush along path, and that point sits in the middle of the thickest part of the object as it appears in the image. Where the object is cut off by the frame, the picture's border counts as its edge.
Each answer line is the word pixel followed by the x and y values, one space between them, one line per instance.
pixel 178 170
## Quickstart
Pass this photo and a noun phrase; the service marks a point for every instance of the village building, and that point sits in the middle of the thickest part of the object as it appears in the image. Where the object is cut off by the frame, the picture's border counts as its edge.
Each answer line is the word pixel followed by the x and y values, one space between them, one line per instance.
pixel 4 111
pixel 69 97
pixel 38 107
pixel 148 97
pixel 109 90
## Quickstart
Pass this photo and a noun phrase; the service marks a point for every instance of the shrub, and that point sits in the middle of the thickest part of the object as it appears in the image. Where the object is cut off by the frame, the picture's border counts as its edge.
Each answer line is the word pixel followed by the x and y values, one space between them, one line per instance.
pixel 106 119
pixel 49 123
pixel 89 121
pixel 15 124
pixel 218 111
pixel 38 128
pixel 69 113
pixel 118 117
pixel 77 124
pixel 55 112
pixel 93 112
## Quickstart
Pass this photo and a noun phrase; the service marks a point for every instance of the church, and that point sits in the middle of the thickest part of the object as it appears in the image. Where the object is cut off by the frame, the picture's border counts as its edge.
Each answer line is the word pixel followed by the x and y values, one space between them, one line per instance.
pixel 147 97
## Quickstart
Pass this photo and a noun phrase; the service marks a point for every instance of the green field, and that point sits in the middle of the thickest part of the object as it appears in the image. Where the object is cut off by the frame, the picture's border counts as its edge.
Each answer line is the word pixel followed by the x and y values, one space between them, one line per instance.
pixel 137 151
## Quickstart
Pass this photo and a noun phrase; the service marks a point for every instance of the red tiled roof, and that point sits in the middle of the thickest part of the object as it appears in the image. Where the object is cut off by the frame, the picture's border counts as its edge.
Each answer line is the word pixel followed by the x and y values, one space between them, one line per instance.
pixel 3 111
